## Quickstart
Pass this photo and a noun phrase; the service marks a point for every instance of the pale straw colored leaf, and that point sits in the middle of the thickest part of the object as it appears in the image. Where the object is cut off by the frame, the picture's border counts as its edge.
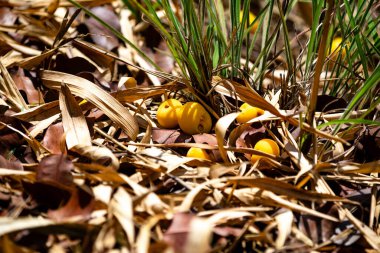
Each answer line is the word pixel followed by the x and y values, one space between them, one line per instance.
pixel 74 122
pixel 94 94
pixel 284 224
pixel 221 130
pixel 9 225
pixel 199 236
pixel 9 89
pixel 122 207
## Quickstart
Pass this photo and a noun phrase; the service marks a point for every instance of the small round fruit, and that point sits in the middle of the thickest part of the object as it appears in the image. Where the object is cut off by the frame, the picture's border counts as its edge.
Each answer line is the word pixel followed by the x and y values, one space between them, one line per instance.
pixel 251 17
pixel 198 153
pixel 248 112
pixel 336 46
pixel 267 146
pixel 244 106
pixel 168 112
pixel 194 119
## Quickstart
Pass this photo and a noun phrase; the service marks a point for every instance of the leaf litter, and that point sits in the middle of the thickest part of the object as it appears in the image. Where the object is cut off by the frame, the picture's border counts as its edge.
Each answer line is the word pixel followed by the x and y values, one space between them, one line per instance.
pixel 84 166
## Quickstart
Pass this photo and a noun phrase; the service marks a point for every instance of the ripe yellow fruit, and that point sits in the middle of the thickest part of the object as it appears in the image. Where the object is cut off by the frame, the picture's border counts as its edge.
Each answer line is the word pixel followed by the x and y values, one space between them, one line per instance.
pixel 168 112
pixel 336 46
pixel 251 17
pixel 194 119
pixel 198 153
pixel 267 146
pixel 248 112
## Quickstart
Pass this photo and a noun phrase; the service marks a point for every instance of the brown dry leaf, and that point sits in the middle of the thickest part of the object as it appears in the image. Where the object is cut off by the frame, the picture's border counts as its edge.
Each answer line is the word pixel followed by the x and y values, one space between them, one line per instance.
pixel 99 34
pixel 7 17
pixel 35 61
pixel 98 154
pixel 43 124
pixel 188 232
pixel 288 190
pixel 132 94
pixel 253 195
pixel 39 113
pixel 52 7
pixel 19 47
pixel 56 170
pixel 25 84
pixel 74 122
pixel 6 164
pixel 92 93
pixel 98 55
pixel 147 200
pixel 168 136
pixel 53 138
pixel 122 207
pixel 79 206
pixel 100 173
pixel 9 89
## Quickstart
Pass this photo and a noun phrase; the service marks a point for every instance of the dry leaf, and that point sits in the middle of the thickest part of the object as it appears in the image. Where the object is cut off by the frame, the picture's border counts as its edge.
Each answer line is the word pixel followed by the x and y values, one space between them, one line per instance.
pixel 92 93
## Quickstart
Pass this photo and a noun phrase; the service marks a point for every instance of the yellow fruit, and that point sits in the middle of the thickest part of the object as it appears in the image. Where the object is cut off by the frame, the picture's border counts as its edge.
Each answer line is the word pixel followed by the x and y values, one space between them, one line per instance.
pixel 251 17
pixel 336 46
pixel 248 112
pixel 267 146
pixel 168 112
pixel 194 119
pixel 244 106
pixel 198 153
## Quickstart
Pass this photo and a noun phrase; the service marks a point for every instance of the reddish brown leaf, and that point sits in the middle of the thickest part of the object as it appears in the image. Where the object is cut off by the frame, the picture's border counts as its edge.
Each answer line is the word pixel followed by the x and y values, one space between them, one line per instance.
pixel 99 34
pixel 53 138
pixel 209 139
pixel 25 84
pixel 168 136
pixel 4 163
pixel 56 170
pixel 250 135
pixel 81 203
pixel 176 235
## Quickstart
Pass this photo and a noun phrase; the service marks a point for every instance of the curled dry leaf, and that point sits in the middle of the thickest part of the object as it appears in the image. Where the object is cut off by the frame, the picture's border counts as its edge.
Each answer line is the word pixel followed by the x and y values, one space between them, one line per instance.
pixel 74 122
pixel 221 129
pixel 92 93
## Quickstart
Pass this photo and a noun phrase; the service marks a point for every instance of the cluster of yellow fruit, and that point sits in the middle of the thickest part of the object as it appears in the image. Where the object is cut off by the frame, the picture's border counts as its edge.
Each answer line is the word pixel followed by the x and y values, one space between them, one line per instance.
pixel 191 117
